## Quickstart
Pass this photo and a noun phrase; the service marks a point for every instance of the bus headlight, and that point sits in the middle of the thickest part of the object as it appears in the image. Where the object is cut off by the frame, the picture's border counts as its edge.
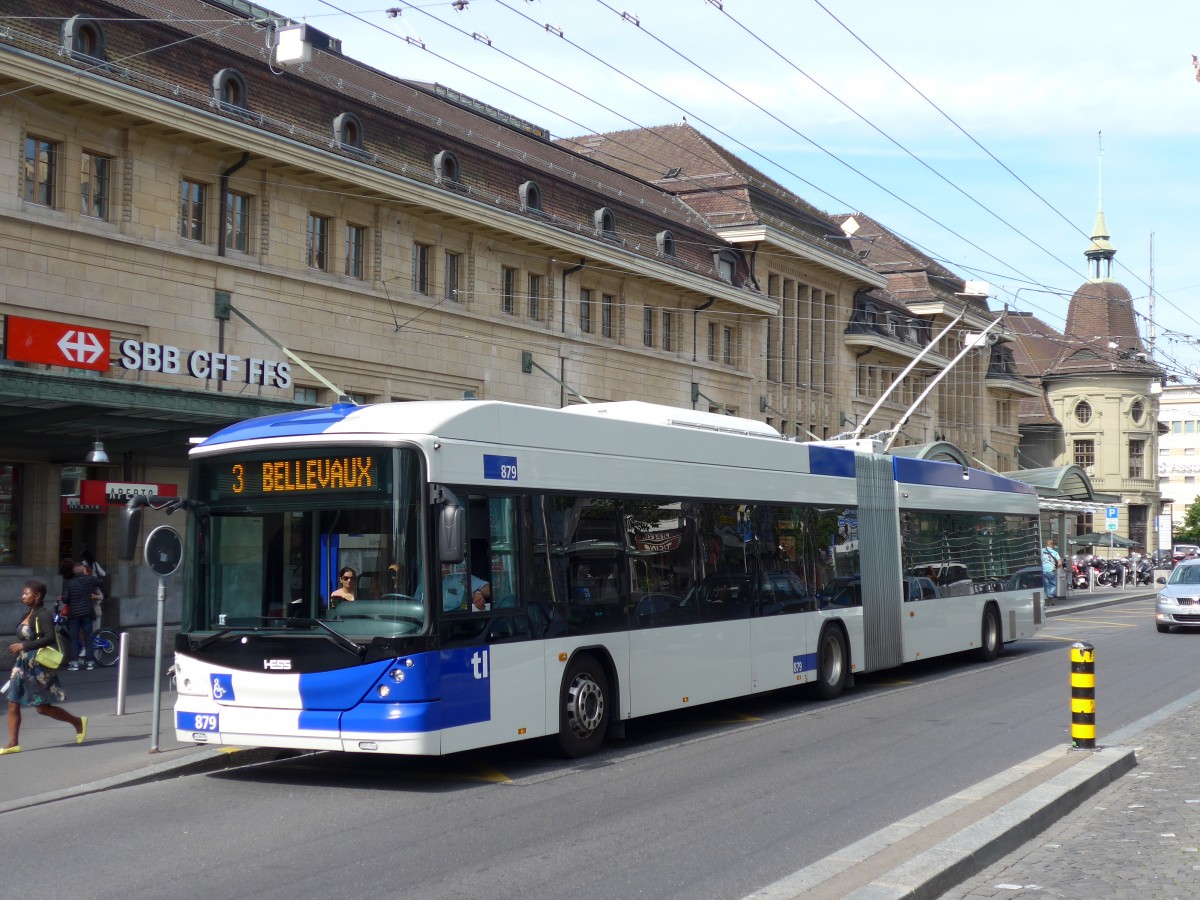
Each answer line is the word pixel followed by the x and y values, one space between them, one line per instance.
pixel 384 690
pixel 397 675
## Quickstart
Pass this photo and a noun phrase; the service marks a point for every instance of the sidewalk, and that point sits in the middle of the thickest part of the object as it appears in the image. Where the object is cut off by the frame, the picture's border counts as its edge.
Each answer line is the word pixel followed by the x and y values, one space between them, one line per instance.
pixel 1137 837
pixel 117 751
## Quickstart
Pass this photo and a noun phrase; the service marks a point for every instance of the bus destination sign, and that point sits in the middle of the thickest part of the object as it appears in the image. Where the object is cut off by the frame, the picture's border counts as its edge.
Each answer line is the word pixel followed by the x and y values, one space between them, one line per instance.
pixel 319 474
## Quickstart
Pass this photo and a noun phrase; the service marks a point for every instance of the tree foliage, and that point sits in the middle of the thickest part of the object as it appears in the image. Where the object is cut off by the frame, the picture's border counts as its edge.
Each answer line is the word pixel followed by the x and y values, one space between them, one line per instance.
pixel 1189 531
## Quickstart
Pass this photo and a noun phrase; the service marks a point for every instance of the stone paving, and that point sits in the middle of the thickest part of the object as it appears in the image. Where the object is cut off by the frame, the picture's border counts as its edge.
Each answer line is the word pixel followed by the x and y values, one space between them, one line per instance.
pixel 1137 838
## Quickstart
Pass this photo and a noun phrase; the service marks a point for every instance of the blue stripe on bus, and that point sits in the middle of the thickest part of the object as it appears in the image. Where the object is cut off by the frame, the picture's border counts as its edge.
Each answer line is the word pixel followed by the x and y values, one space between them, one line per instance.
pixel 831 461
pixel 350 699
pixel 340 688
pixel 310 421
pixel 945 474
pixel 392 718
pixel 466 686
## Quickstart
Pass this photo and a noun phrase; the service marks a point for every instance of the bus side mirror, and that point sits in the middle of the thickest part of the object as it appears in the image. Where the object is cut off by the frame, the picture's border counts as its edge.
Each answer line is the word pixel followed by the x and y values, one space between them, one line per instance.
pixel 452 534
pixel 131 528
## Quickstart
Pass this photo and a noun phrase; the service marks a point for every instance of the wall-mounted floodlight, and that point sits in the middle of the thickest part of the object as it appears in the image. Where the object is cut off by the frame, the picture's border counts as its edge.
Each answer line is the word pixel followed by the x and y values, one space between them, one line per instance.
pixel 294 44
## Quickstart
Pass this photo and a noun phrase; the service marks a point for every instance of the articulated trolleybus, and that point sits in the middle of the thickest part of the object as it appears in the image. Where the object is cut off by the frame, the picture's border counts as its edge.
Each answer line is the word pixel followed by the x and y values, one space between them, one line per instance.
pixel 519 572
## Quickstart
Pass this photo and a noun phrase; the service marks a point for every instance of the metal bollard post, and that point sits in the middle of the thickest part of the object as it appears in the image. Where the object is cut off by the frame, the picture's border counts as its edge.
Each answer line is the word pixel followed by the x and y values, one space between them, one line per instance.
pixel 1083 696
pixel 122 672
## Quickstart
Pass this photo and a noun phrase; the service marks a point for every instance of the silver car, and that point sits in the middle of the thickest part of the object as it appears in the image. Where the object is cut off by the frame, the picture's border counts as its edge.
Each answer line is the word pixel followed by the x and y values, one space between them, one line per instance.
pixel 1179 598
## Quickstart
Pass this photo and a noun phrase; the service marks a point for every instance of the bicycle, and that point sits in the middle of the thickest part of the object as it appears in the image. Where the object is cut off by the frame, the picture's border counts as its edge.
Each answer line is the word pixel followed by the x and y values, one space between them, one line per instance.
pixel 106 643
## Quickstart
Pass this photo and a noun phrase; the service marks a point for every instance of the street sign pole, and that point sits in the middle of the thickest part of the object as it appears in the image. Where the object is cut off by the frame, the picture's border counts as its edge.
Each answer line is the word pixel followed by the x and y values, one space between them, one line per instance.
pixel 164 552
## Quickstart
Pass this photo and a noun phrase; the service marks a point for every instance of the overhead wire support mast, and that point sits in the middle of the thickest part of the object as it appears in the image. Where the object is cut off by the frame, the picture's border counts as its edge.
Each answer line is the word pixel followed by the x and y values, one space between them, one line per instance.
pixel 862 426
pixel 970 345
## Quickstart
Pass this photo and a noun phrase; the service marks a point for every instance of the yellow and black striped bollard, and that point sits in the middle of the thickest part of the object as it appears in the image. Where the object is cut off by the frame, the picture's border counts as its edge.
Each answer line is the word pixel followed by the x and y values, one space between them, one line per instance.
pixel 1083 696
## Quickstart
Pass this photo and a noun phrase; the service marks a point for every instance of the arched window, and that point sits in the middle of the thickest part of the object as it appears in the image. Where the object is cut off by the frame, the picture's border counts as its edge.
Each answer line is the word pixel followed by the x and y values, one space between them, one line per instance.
pixel 83 38
pixel 348 131
pixel 1083 412
pixel 445 167
pixel 1137 412
pixel 531 197
pixel 229 90
pixel 666 243
pixel 605 222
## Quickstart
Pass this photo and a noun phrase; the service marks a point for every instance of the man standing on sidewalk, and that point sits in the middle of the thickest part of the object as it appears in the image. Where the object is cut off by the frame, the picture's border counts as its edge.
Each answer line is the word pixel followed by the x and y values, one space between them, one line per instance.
pixel 79 591
pixel 1051 563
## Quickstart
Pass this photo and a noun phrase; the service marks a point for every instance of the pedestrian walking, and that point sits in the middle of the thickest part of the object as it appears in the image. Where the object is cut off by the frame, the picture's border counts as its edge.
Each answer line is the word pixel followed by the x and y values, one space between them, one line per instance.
pixel 32 683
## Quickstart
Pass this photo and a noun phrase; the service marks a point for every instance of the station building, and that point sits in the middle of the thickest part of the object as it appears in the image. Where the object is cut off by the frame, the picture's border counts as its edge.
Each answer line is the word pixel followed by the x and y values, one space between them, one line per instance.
pixel 197 229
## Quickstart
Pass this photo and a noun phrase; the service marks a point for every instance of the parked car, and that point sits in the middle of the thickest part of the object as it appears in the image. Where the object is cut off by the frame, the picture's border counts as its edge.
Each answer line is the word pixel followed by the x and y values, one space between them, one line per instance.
pixel 1179 597
pixel 917 587
pixel 1185 551
pixel 1025 579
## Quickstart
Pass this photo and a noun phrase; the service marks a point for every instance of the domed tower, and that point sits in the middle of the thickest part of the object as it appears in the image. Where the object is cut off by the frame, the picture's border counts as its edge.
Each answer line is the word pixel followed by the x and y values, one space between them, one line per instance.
pixel 1104 389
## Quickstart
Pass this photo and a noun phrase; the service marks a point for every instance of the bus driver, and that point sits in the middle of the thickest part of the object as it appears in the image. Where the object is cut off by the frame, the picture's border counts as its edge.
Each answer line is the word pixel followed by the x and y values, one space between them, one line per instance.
pixel 454 589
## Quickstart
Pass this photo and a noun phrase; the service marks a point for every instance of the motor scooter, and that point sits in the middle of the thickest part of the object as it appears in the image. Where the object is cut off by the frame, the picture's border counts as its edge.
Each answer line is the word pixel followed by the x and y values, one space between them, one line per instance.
pixel 1079 574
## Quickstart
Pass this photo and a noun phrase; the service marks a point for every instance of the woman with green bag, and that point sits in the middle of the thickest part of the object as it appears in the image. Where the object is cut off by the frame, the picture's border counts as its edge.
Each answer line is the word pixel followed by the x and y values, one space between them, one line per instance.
pixel 34 680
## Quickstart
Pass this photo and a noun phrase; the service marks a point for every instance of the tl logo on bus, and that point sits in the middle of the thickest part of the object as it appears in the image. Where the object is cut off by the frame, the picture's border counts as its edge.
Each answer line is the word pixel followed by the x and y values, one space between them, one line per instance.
pixel 479 665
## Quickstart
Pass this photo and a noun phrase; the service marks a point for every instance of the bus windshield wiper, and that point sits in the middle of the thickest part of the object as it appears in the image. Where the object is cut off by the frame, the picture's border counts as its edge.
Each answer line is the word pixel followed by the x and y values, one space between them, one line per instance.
pixel 211 639
pixel 338 638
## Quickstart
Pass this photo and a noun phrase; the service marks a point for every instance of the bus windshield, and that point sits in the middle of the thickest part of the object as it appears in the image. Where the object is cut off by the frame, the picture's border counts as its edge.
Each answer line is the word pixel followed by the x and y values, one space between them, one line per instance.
pixel 320 539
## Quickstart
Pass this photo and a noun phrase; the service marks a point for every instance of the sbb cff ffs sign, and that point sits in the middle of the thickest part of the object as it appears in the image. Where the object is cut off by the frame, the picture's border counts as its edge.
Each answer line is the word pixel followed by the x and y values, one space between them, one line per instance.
pixel 56 343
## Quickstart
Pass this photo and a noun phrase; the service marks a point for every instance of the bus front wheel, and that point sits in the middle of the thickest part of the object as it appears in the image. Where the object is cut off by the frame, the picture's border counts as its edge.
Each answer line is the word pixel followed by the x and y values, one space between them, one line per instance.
pixel 833 664
pixel 584 707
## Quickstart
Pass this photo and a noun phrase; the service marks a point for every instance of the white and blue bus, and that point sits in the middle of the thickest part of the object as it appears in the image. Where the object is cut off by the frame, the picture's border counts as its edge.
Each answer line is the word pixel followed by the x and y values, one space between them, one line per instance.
pixel 521 572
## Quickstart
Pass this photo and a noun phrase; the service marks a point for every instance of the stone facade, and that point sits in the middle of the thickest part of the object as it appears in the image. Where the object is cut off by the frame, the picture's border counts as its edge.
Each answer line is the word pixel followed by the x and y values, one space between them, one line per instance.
pixel 223 220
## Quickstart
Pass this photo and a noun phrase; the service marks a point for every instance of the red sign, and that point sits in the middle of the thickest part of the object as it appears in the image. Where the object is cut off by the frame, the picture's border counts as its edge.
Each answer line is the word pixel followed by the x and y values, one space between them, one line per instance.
pixel 56 343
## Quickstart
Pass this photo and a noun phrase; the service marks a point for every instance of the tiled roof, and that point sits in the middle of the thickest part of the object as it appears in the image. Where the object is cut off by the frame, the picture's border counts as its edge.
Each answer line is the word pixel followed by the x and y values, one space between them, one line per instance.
pixel 178 48
pixel 715 182
pixel 1035 412
pixel 1036 346
pixel 1103 310
pixel 1040 351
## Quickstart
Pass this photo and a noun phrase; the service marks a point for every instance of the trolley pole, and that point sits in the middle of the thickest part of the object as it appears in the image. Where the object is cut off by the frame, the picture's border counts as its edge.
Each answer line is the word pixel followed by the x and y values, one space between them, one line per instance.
pixel 1083 696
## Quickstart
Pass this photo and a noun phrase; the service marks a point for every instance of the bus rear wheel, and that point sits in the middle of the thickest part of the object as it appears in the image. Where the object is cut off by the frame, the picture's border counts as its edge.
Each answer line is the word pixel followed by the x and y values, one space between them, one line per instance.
pixel 989 635
pixel 833 664
pixel 584 707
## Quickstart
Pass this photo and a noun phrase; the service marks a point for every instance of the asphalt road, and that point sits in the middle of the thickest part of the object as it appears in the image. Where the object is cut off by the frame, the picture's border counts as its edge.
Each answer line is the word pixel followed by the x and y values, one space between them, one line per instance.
pixel 712 803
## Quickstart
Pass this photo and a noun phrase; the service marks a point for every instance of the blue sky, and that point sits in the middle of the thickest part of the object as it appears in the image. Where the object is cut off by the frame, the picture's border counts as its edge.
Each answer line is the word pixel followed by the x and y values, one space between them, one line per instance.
pixel 1025 89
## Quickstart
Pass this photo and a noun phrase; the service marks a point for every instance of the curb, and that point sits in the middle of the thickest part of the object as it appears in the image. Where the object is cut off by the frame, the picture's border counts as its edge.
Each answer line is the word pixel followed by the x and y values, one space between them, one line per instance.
pixel 937 870
pixel 1098 603
pixel 983 837
pixel 195 762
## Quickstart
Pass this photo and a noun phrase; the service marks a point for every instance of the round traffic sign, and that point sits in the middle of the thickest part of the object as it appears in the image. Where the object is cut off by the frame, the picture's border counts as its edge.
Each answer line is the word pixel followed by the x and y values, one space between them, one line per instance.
pixel 164 550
